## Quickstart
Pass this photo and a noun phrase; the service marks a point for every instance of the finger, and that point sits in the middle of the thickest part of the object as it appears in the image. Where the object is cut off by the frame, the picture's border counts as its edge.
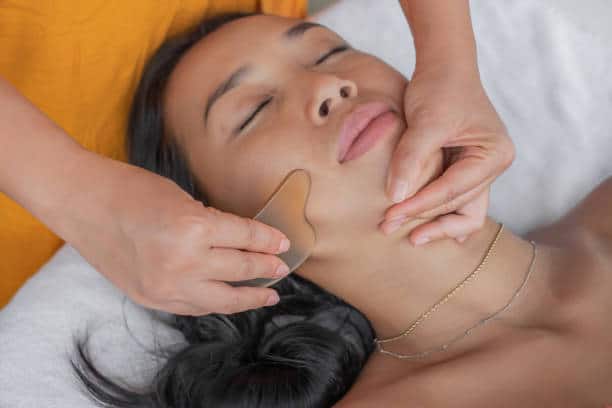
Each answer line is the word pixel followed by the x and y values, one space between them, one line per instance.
pixel 232 231
pixel 410 158
pixel 458 202
pixel 459 178
pixel 453 225
pixel 390 225
pixel 219 297
pixel 234 265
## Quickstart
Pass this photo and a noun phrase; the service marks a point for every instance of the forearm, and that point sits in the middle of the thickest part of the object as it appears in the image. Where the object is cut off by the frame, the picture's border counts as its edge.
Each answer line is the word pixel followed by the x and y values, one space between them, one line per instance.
pixel 41 167
pixel 442 32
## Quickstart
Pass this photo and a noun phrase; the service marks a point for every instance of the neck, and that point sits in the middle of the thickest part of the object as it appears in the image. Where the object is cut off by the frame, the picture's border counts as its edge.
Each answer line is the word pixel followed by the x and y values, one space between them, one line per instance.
pixel 393 283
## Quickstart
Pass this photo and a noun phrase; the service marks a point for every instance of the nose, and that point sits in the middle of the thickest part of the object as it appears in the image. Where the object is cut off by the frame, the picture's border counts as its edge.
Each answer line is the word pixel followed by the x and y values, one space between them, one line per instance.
pixel 330 92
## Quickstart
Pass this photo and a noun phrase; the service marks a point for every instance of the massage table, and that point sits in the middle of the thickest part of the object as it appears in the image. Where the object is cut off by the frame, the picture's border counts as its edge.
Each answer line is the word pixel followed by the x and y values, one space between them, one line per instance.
pixel 546 67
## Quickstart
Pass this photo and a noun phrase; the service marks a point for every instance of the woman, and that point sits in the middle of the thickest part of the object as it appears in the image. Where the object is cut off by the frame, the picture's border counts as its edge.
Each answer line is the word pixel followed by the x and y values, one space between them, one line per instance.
pixel 131 249
pixel 284 94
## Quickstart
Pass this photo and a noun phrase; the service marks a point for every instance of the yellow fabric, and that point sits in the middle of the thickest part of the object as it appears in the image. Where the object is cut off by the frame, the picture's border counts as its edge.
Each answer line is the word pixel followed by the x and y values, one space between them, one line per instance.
pixel 79 62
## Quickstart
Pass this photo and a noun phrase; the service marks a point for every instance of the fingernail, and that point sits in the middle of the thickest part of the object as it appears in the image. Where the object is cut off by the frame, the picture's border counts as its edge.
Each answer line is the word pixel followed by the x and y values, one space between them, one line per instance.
pixel 421 241
pixel 284 245
pixel 272 300
pixel 399 192
pixel 281 270
pixel 392 226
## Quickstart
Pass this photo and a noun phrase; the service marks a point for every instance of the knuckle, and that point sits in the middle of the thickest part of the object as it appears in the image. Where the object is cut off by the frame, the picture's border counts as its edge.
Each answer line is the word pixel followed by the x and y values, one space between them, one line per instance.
pixel 450 196
pixel 214 212
pixel 191 228
pixel 247 268
pixel 203 227
pixel 251 231
pixel 447 208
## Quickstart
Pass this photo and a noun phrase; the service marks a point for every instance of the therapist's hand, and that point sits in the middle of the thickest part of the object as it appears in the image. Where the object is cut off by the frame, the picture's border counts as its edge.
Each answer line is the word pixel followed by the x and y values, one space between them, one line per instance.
pixel 446 109
pixel 164 249
pixel 169 252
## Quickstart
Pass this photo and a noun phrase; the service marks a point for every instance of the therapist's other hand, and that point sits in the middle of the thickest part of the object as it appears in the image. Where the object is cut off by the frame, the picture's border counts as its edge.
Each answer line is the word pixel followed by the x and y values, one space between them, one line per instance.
pixel 169 252
pixel 449 110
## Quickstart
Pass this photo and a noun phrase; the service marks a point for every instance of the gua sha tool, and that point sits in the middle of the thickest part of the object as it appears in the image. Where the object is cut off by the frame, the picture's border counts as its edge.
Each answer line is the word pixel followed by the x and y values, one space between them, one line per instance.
pixel 286 211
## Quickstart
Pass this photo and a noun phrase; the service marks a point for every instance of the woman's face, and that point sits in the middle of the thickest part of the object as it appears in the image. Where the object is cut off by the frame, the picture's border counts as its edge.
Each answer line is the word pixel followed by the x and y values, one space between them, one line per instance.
pixel 265 95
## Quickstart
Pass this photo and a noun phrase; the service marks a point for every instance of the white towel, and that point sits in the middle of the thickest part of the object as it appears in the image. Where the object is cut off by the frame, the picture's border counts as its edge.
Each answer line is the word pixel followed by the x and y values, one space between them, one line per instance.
pixel 546 72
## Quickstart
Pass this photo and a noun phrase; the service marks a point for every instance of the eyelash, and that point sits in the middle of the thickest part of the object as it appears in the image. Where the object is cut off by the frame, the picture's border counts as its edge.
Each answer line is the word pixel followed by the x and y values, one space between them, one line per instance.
pixel 262 105
pixel 255 112
pixel 333 51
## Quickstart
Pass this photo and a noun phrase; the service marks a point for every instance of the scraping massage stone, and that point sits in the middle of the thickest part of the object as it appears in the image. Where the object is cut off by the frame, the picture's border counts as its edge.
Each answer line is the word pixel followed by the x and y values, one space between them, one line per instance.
pixel 285 210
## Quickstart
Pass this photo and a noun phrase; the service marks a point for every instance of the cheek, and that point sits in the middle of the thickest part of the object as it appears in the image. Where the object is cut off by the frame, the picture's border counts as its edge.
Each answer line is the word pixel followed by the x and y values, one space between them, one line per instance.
pixel 254 169
pixel 373 75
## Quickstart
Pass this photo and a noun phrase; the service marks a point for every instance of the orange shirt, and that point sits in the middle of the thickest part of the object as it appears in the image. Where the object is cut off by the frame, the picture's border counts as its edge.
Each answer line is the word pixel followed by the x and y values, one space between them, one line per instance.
pixel 79 62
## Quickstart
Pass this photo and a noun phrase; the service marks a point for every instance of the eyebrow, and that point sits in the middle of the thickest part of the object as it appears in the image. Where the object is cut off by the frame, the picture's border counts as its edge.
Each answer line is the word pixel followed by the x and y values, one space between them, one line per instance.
pixel 227 85
pixel 299 29
pixel 234 79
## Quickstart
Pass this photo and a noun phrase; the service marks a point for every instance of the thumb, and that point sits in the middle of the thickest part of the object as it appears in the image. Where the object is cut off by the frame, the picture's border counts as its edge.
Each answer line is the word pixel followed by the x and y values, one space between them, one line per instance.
pixel 410 158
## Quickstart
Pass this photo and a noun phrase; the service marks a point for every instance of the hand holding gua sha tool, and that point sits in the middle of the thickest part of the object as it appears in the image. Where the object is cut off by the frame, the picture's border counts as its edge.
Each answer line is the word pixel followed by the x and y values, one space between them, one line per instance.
pixel 286 211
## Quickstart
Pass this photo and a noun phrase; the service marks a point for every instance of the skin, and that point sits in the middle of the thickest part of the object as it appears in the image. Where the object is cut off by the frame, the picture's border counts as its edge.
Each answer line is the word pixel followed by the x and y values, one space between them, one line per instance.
pixel 141 231
pixel 445 106
pixel 557 328
pixel 167 256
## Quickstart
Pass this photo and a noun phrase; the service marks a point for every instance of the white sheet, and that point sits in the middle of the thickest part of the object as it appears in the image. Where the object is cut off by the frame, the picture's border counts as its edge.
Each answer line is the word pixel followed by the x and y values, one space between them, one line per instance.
pixel 546 71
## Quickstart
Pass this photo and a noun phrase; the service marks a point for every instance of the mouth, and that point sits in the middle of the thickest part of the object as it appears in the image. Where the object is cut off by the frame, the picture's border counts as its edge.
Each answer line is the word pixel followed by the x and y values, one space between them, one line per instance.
pixel 363 128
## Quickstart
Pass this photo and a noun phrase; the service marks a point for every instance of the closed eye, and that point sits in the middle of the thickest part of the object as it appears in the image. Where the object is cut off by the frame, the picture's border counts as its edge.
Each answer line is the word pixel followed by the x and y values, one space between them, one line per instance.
pixel 333 51
pixel 255 112
pixel 262 105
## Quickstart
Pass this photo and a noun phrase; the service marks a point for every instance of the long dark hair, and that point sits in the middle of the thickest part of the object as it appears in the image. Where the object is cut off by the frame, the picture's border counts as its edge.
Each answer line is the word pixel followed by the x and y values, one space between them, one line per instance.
pixel 306 351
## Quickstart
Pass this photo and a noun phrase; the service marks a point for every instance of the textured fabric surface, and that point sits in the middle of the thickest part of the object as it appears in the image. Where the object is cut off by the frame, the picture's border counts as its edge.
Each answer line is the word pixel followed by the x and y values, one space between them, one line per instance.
pixel 546 74
pixel 79 62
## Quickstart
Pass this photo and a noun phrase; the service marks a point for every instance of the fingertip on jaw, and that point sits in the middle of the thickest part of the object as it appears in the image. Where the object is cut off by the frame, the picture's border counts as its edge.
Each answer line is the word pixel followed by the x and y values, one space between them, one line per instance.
pixel 462 238
pixel 420 241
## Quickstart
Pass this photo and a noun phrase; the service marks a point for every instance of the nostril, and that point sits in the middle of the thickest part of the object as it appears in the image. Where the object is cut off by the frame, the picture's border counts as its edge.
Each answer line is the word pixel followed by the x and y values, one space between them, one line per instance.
pixel 345 91
pixel 324 108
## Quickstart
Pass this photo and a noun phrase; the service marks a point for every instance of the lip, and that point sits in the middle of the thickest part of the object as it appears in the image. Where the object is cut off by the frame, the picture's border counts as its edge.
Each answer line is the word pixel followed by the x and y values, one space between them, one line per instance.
pixel 362 128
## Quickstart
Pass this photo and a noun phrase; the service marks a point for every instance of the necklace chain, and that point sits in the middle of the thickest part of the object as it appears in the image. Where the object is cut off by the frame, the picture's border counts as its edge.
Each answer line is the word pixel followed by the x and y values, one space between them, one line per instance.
pixel 450 294
pixel 379 342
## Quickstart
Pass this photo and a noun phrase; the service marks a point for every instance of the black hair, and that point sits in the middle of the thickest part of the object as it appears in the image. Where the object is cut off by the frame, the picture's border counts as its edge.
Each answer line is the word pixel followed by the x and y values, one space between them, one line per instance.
pixel 306 351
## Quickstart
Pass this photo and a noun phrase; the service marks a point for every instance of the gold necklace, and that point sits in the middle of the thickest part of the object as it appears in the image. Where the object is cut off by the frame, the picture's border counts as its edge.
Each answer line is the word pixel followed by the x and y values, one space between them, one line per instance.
pixel 444 347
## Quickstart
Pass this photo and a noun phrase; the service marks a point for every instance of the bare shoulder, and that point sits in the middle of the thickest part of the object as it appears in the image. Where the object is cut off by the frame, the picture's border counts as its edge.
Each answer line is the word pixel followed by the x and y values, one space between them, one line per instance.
pixel 595 211
pixel 589 223
pixel 525 360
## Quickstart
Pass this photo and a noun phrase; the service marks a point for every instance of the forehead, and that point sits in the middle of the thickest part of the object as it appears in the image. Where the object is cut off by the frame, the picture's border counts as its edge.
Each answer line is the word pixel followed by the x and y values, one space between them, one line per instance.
pixel 213 58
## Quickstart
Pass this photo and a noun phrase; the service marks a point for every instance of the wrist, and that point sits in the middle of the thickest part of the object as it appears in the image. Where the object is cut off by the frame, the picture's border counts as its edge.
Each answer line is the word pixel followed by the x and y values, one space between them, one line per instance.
pixel 454 72
pixel 442 33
